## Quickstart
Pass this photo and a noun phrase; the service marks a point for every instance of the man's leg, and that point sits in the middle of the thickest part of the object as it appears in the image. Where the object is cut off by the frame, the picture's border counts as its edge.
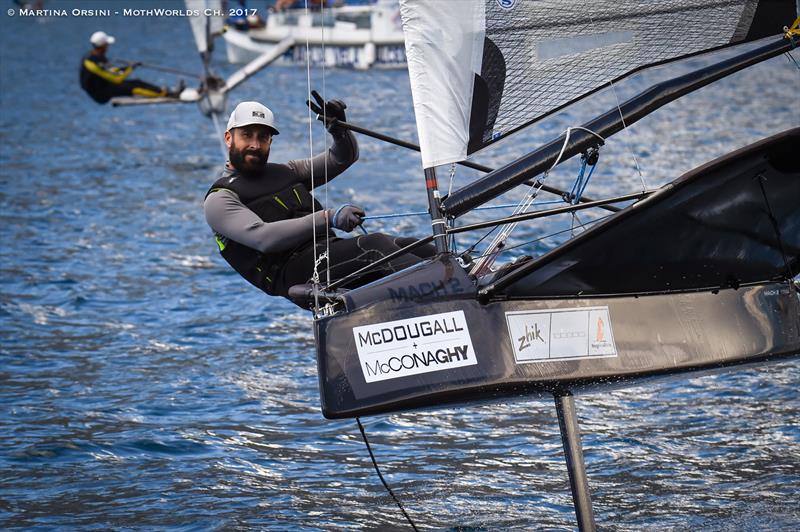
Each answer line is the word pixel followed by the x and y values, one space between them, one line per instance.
pixel 137 87
pixel 348 255
pixel 352 254
pixel 425 251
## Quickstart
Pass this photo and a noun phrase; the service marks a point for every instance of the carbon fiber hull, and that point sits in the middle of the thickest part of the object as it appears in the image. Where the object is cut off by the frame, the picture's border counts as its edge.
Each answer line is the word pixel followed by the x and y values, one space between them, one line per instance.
pixel 643 337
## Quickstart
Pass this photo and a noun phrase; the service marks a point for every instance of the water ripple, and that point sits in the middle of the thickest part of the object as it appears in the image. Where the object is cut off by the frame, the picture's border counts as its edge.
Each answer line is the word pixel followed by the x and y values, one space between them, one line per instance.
pixel 143 384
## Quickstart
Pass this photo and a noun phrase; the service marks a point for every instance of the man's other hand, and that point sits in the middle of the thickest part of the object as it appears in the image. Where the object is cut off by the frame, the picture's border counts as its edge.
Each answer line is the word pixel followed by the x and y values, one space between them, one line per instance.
pixel 348 217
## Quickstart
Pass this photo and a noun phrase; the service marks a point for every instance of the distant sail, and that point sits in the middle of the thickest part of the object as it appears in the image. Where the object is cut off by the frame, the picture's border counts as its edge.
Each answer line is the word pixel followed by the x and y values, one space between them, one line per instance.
pixel 204 26
pixel 482 69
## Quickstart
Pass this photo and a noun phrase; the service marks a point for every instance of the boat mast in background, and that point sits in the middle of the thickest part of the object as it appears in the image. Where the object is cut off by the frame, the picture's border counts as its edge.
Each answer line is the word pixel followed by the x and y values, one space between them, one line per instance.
pixel 212 96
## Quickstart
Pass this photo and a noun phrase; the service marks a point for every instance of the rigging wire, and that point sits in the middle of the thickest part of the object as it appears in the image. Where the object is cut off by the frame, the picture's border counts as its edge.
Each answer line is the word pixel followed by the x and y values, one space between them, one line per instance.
pixel 791 58
pixel 324 125
pixel 625 127
pixel 311 151
pixel 452 239
pixel 426 213
pixel 377 470
pixel 550 235
pixel 628 132
pixel 325 256
pixel 358 275
pixel 498 243
pixel 220 135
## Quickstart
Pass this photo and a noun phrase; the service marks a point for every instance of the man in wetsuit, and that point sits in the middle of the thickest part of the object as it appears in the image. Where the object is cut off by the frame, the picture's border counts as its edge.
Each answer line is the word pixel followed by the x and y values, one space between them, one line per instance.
pixel 264 217
pixel 102 81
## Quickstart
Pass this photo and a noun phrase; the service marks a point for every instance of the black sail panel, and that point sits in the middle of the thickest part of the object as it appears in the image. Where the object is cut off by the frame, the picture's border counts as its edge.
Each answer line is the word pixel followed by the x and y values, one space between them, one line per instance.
pixel 554 53
pixel 730 222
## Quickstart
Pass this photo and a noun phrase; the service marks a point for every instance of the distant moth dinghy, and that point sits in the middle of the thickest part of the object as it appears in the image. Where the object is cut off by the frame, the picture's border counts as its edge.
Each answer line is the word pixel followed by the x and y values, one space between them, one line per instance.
pixel 694 276
pixel 212 95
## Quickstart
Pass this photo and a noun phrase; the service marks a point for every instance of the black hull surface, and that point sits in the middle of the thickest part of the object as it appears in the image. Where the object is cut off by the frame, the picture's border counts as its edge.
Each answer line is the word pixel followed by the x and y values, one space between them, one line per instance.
pixel 695 277
pixel 475 352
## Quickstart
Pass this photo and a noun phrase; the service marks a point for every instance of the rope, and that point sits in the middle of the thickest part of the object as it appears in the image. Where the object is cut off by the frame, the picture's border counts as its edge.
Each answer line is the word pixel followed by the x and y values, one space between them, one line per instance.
pixel 317 261
pixel 377 470
pixel 585 183
pixel 576 186
pixel 579 186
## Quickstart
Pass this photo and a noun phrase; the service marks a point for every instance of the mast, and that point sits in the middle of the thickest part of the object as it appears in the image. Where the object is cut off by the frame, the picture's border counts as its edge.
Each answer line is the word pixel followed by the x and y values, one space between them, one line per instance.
pixel 607 124
pixel 438 223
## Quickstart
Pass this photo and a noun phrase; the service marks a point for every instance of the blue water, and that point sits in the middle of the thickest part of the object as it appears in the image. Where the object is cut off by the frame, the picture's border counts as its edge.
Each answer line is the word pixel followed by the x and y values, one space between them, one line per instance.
pixel 143 385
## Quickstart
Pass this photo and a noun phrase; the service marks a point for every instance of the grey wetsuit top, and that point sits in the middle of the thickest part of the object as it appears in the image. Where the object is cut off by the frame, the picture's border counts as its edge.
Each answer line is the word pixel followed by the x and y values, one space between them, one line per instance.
pixel 228 216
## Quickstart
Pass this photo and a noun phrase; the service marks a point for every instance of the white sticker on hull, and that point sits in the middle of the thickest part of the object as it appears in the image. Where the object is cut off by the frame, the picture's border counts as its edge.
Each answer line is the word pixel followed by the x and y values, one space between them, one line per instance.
pixel 417 345
pixel 563 334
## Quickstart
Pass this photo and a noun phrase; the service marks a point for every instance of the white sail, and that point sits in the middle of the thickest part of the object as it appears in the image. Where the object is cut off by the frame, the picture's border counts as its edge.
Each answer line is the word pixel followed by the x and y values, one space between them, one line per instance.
pixel 442 59
pixel 482 69
pixel 210 22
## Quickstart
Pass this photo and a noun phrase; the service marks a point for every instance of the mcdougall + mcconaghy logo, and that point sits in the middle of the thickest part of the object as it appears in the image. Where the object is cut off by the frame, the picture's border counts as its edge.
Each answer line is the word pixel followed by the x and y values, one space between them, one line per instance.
pixel 417 345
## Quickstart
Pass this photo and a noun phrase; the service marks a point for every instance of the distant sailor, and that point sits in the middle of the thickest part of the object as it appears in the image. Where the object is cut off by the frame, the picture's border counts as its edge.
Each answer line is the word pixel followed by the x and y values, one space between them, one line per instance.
pixel 264 217
pixel 103 82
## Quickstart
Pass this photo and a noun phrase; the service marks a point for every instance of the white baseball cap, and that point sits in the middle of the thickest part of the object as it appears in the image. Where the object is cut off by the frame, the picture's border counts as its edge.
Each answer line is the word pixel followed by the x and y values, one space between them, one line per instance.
pixel 247 113
pixel 101 38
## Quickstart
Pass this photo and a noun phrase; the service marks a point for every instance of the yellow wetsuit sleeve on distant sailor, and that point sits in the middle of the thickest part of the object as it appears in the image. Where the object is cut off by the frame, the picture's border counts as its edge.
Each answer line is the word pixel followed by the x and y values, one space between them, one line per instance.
pixel 112 77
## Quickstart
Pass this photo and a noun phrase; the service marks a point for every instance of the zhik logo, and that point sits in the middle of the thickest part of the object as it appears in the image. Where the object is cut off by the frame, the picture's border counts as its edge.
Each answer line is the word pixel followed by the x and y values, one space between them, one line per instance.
pixel 526 340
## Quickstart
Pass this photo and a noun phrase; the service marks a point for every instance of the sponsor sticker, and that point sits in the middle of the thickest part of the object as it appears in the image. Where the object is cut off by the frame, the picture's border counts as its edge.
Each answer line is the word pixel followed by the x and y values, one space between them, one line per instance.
pixel 417 345
pixel 563 334
pixel 506 4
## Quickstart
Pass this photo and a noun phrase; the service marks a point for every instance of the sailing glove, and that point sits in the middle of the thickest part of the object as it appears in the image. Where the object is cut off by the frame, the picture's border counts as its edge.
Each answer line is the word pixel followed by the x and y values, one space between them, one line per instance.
pixel 335 109
pixel 347 217
pixel 331 111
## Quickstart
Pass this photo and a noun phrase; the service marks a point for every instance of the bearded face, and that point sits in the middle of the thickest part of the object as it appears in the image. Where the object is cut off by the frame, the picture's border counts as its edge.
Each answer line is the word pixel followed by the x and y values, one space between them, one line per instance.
pixel 248 150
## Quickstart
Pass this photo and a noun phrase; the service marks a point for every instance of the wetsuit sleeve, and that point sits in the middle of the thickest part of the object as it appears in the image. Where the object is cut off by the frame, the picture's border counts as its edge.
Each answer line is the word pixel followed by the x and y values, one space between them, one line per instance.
pixel 338 158
pixel 112 77
pixel 229 217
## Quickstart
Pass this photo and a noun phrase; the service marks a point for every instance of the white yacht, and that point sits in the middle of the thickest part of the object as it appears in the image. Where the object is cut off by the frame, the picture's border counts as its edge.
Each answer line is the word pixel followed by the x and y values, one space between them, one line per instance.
pixel 350 36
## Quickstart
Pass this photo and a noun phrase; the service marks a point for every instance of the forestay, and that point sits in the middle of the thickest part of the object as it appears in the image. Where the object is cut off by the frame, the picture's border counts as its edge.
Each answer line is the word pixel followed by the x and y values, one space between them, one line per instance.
pixel 482 69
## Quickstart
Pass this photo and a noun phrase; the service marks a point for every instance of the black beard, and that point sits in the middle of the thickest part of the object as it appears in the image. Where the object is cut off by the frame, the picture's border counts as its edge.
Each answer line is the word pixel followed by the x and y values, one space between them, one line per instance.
pixel 238 161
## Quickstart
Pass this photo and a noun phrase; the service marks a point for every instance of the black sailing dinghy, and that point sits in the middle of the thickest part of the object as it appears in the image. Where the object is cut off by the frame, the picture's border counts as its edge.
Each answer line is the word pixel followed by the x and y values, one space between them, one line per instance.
pixel 696 275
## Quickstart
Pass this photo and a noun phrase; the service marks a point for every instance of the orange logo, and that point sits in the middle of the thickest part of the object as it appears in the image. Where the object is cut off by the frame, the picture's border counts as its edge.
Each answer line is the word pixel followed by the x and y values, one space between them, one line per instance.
pixel 600 336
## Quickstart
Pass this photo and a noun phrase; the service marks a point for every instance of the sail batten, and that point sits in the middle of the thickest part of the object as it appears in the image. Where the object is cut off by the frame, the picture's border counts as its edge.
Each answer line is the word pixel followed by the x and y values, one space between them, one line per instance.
pixel 535 57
